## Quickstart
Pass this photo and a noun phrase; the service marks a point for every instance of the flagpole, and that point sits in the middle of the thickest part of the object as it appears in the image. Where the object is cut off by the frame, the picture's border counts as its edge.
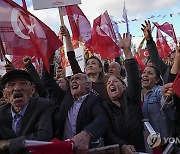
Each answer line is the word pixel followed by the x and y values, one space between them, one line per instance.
pixel 61 16
pixel 3 52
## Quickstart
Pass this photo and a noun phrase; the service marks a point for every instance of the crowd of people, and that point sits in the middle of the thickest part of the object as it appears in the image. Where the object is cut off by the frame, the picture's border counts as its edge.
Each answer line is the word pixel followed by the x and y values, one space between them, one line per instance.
pixel 91 108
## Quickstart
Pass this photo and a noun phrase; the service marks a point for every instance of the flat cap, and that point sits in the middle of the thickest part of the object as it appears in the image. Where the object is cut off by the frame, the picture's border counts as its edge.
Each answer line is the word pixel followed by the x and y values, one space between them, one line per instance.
pixel 15 73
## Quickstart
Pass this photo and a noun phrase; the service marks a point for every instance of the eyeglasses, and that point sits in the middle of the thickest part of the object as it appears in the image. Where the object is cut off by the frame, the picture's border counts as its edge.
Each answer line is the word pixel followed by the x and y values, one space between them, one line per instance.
pixel 13 84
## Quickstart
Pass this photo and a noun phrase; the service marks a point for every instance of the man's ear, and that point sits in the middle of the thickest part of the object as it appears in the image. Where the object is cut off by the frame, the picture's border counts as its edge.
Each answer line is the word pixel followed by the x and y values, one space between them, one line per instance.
pixel 33 89
pixel 5 95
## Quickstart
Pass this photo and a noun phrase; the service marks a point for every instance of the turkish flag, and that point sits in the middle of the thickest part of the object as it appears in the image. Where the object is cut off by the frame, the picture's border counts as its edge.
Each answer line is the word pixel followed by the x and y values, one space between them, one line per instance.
pixel 168 29
pixel 176 85
pixel 17 61
pixel 140 63
pixel 24 34
pixel 107 26
pixel 144 54
pixel 57 147
pixel 163 48
pixel 101 43
pixel 80 25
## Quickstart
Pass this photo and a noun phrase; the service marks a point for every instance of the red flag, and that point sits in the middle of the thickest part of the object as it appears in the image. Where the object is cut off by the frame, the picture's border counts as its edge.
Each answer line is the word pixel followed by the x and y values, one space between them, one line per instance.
pixel 80 25
pixel 163 48
pixel 140 63
pixel 107 26
pixel 176 85
pixel 168 29
pixel 24 4
pixel 57 147
pixel 101 43
pixel 144 54
pixel 25 34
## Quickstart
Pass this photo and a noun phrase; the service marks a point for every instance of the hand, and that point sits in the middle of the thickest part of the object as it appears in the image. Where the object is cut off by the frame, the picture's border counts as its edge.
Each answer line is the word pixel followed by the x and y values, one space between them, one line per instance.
pixel 168 61
pixel 81 142
pixel 128 149
pixel 9 67
pixel 64 31
pixel 147 30
pixel 26 60
pixel 4 144
pixel 167 90
pixel 125 44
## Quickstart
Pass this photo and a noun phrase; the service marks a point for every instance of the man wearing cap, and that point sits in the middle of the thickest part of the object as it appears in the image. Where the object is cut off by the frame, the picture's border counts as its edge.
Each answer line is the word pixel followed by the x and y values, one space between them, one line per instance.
pixel 23 116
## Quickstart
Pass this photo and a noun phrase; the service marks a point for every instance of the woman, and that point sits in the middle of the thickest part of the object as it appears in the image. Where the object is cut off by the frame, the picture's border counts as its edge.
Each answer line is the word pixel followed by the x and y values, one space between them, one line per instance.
pixel 153 102
pixel 94 68
pixel 123 107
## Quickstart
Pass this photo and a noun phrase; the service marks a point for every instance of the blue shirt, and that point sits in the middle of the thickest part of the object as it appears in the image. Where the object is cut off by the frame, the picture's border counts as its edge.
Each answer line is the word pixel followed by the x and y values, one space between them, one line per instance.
pixel 70 123
pixel 17 119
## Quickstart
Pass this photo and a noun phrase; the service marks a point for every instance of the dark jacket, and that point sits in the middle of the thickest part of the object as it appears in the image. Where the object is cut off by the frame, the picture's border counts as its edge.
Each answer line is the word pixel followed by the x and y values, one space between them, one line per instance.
pixel 177 105
pixel 157 61
pixel 91 116
pixel 42 92
pixel 126 121
pixel 36 124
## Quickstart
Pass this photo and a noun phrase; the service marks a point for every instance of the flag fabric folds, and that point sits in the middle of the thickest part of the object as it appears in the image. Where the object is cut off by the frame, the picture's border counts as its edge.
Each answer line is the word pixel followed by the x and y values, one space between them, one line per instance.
pixel 57 147
pixel 24 34
pixel 100 42
pixel 168 29
pixel 80 25
pixel 176 85
pixel 163 48
pixel 140 63
pixel 107 26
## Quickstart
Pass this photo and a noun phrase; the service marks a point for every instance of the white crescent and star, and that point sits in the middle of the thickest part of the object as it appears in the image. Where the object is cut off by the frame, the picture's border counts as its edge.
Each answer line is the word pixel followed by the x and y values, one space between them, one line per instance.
pixel 14 23
pixel 98 30
pixel 146 54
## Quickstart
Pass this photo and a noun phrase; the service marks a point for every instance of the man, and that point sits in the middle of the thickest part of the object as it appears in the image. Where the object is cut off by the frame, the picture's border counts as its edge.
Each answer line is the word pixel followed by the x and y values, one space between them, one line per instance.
pixel 23 116
pixel 115 69
pixel 80 116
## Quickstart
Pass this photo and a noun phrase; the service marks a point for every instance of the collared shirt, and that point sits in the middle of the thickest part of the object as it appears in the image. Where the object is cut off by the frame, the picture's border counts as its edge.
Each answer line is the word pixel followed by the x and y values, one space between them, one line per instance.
pixel 17 119
pixel 70 123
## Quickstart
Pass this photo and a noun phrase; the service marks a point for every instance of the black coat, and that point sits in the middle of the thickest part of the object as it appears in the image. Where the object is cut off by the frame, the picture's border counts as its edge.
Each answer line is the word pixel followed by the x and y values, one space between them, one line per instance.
pixel 36 124
pixel 126 125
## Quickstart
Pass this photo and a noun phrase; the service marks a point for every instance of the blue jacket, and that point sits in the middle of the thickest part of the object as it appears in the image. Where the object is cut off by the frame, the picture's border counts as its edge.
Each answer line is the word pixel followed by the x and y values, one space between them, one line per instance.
pixel 160 120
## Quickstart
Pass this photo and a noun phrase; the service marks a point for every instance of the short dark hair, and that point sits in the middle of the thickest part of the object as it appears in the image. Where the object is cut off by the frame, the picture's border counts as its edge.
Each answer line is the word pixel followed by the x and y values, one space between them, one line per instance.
pixel 158 75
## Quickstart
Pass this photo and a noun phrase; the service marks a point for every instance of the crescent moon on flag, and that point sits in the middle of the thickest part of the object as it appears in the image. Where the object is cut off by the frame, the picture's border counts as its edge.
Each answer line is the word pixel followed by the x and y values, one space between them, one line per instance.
pixel 98 30
pixel 14 17
pixel 146 54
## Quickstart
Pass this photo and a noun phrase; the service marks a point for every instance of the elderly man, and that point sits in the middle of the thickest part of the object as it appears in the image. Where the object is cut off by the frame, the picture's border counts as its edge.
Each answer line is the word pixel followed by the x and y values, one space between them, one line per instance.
pixel 115 69
pixel 24 116
pixel 80 116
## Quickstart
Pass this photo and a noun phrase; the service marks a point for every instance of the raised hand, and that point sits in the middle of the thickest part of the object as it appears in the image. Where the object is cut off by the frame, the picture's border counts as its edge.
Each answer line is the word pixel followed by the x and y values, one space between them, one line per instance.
pixel 26 60
pixel 146 28
pixel 64 31
pixel 125 44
